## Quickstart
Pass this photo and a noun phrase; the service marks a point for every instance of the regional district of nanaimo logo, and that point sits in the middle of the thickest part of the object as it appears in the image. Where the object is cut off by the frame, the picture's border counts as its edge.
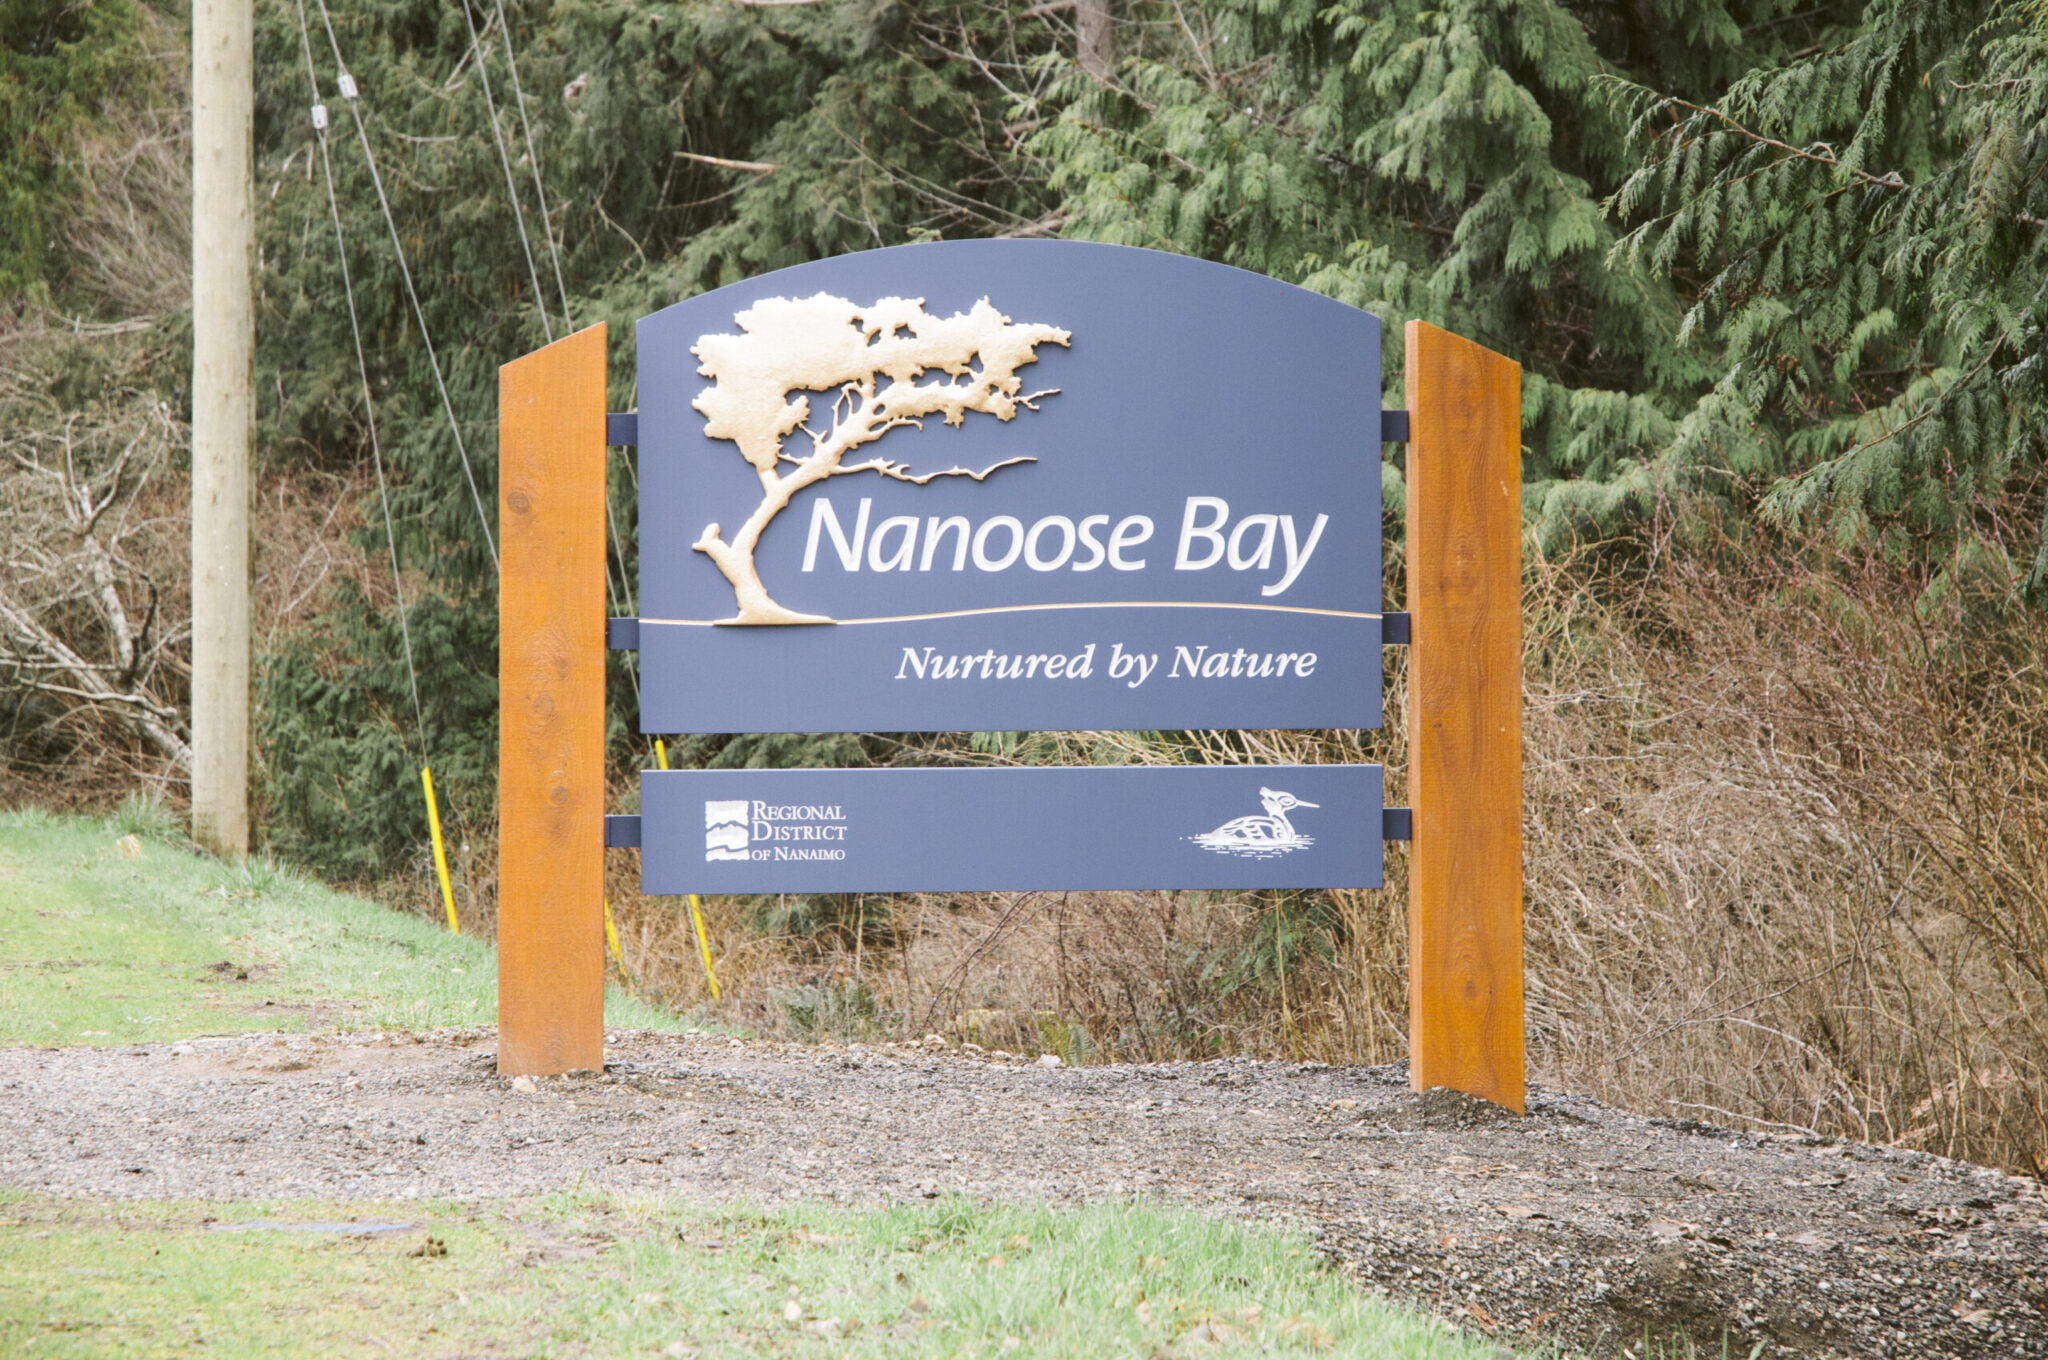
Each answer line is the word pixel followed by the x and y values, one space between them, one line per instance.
pixel 756 830
pixel 725 829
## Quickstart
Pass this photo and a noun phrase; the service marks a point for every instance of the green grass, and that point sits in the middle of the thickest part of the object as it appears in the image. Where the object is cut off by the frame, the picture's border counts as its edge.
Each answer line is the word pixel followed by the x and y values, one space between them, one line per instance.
pixel 104 945
pixel 600 1276
pixel 100 948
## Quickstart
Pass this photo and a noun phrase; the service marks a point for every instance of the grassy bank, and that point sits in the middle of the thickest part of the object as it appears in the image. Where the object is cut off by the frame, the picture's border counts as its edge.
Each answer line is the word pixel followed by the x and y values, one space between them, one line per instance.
pixel 585 1275
pixel 109 935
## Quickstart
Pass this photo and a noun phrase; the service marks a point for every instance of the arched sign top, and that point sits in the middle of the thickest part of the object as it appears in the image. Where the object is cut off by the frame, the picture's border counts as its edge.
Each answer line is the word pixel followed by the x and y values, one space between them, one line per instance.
pixel 911 464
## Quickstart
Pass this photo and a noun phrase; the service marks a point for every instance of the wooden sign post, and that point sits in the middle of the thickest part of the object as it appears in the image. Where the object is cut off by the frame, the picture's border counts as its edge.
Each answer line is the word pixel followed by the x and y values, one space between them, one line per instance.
pixel 551 451
pixel 1464 526
pixel 988 485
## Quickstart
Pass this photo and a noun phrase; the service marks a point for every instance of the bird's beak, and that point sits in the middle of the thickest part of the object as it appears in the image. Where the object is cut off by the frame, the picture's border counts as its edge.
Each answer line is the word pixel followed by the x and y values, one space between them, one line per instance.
pixel 1303 802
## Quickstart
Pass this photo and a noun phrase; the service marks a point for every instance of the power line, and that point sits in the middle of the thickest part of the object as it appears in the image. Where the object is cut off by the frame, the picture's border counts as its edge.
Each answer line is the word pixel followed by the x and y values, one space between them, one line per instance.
pixel 624 590
pixel 377 453
pixel 363 372
pixel 540 300
pixel 547 230
pixel 547 233
pixel 348 94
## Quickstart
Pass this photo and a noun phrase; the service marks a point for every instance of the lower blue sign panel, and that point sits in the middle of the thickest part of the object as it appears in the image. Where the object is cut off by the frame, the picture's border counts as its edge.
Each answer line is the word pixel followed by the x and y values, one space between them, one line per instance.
pixel 1010 829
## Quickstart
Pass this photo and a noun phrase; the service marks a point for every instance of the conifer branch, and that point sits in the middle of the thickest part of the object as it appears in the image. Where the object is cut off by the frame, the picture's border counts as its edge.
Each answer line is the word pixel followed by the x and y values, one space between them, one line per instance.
pixel 1890 181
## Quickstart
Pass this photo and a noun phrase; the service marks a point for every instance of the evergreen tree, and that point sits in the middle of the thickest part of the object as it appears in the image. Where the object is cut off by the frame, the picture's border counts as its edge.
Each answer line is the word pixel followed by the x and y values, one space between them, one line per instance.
pixel 61 65
pixel 1441 161
pixel 1869 226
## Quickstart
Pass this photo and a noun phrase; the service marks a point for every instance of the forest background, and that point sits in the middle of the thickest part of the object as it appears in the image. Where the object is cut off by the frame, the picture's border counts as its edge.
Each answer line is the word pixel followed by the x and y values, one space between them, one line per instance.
pixel 1774 269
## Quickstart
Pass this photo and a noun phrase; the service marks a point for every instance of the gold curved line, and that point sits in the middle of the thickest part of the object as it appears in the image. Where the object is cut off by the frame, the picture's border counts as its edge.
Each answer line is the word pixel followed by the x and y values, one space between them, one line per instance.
pixel 1039 608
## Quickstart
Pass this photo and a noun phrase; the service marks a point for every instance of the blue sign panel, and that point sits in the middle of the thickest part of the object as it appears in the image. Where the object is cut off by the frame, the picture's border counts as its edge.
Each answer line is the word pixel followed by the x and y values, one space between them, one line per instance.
pixel 1009 485
pixel 1010 830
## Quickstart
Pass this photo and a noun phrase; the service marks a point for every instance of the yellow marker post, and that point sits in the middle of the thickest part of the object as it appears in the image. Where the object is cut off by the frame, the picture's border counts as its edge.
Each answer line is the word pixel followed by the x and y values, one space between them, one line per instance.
pixel 696 917
pixel 440 855
pixel 611 936
pixel 703 947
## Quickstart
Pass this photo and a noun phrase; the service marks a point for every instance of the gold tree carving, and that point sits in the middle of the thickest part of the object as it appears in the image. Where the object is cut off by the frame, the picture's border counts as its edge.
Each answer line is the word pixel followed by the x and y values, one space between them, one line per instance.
pixel 871 359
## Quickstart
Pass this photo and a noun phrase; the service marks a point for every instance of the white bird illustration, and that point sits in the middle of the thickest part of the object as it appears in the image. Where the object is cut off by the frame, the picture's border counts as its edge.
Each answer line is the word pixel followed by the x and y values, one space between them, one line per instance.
pixel 1257 836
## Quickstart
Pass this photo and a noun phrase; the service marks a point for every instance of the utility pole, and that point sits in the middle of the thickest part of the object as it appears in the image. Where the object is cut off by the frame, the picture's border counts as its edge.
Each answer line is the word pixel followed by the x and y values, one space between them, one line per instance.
pixel 223 350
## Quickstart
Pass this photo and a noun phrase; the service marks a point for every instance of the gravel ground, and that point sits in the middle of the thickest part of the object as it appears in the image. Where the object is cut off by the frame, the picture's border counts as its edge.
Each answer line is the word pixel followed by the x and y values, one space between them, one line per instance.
pixel 1578 1224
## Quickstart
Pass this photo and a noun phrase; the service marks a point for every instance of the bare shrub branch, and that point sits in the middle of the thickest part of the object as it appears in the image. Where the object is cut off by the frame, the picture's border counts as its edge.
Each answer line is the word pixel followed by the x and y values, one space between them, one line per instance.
pixel 82 617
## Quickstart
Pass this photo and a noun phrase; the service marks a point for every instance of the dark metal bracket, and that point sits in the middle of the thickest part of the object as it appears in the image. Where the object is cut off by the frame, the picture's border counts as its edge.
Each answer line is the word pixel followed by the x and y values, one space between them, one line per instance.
pixel 1396 824
pixel 1393 427
pixel 622 635
pixel 1394 629
pixel 624 428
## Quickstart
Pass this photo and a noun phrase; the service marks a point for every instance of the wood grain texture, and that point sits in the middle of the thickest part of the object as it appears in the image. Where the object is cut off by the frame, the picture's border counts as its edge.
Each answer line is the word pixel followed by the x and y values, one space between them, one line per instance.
pixel 551 611
pixel 1464 536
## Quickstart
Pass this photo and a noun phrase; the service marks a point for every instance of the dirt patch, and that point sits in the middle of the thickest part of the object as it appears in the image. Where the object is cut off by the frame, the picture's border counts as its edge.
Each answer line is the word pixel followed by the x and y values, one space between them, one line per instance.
pixel 227 970
pixel 1443 1110
pixel 1578 1223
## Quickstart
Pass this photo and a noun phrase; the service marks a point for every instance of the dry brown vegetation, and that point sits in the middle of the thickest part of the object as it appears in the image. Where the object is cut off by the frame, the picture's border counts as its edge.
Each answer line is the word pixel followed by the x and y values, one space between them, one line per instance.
pixel 94 581
pixel 95 526
pixel 1787 858
pixel 95 562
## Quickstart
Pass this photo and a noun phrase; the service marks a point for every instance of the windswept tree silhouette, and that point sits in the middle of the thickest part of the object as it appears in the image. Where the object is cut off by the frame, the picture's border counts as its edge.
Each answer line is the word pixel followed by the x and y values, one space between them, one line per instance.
pixel 872 358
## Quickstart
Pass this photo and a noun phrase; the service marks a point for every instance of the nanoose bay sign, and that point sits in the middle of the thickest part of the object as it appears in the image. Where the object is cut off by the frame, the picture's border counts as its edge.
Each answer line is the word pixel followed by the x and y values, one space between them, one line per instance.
pixel 1009 484
pixel 1002 485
